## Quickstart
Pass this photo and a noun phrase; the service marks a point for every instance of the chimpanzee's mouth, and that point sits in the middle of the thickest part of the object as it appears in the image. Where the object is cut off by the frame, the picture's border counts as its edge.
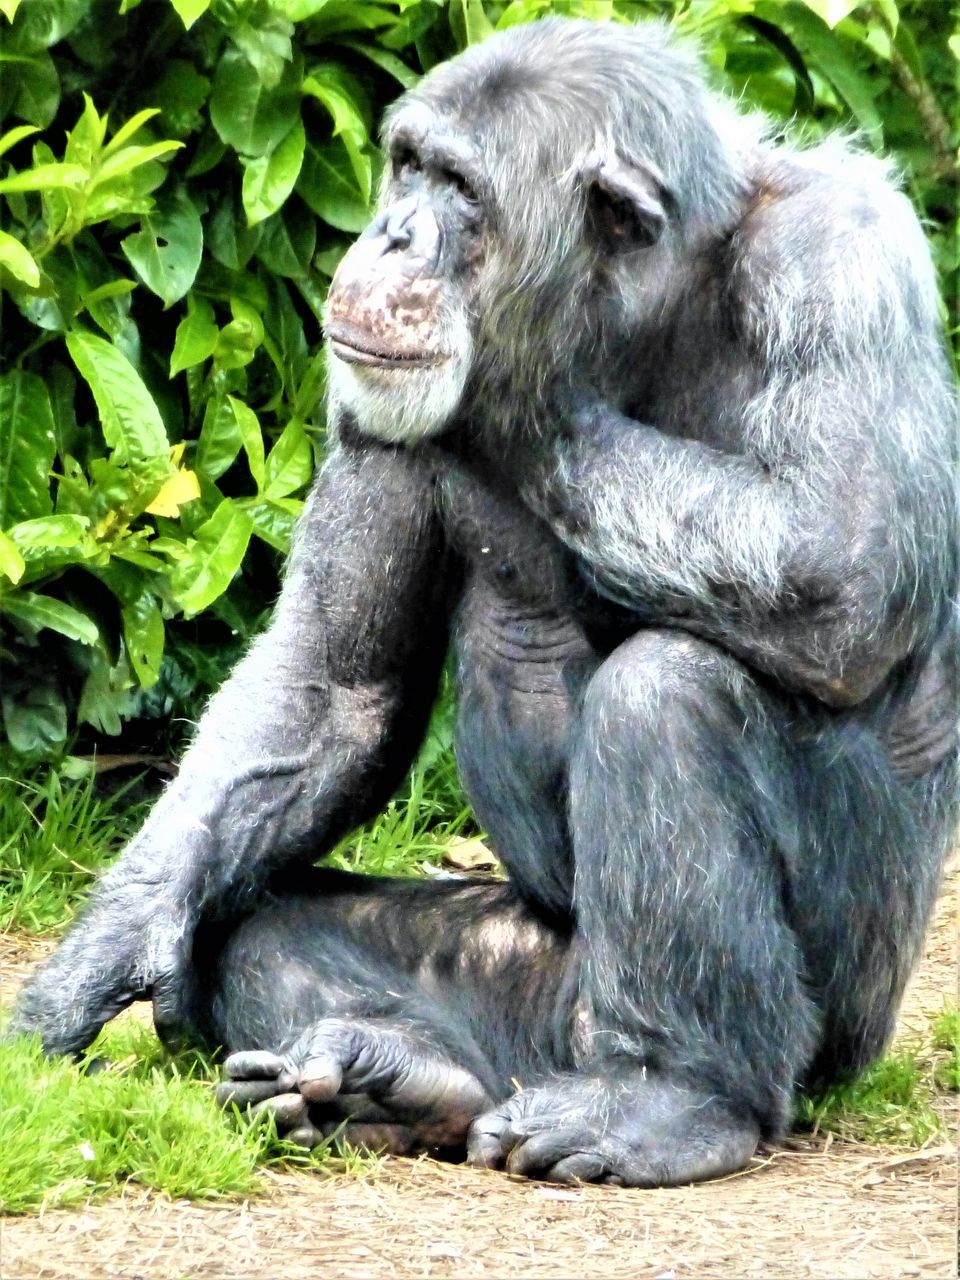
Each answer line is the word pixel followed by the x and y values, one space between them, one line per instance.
pixel 353 349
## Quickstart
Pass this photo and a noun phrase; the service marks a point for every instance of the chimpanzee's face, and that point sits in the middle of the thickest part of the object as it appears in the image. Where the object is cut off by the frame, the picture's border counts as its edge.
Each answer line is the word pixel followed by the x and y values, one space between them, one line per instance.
pixel 398 318
pixel 478 212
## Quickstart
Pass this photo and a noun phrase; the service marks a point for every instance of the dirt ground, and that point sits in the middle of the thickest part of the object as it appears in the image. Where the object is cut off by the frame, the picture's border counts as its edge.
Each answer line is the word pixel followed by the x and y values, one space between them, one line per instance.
pixel 813 1209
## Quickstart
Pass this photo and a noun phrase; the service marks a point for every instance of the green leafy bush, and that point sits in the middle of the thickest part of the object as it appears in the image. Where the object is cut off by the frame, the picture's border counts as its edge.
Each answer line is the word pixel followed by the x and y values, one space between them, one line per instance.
pixel 178 179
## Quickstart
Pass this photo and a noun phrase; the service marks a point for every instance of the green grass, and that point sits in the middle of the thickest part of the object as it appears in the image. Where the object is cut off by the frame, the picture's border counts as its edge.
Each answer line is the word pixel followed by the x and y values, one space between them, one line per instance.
pixel 56 834
pixel 945 1034
pixel 67 1134
pixel 893 1103
pixel 414 829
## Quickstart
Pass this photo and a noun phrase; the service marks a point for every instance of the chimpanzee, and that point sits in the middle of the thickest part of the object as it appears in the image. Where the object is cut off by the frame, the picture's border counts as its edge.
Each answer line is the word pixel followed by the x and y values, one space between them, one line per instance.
pixel 646 418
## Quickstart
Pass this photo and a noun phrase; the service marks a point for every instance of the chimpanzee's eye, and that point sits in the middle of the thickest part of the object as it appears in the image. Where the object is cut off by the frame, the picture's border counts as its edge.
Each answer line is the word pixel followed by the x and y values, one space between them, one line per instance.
pixel 460 185
pixel 406 161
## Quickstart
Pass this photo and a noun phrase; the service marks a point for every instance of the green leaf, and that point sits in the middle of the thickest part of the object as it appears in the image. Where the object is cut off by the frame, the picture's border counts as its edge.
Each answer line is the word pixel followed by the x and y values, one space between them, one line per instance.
pixel 196 336
pixel 890 13
pixel 143 632
pixel 301 10
pixel 166 253
pixel 311 386
pixel 112 289
pixel 213 558
pixel 49 531
pixel 822 49
pixel 228 426
pixel 27 448
pixel 251 437
pixel 290 463
pixel 220 439
pixel 832 12
pixel 31 87
pixel 181 93
pixel 12 563
pixel 129 128
pixel 239 340
pixel 288 241
pixel 45 177
pixel 342 97
pixel 229 239
pixel 51 543
pixel 129 158
pixel 265 41
pixel 85 140
pixel 18 261
pixel 42 23
pixel 337 16
pixel 40 612
pixel 129 417
pixel 35 717
pixel 274 522
pixel 188 11
pixel 249 117
pixel 268 180
pixel 478 26
pixel 388 62
pixel 326 184
pixel 13 136
pixel 107 693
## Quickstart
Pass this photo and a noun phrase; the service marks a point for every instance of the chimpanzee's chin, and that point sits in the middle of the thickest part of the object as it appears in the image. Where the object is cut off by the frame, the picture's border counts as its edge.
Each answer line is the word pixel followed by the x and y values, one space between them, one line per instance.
pixel 399 405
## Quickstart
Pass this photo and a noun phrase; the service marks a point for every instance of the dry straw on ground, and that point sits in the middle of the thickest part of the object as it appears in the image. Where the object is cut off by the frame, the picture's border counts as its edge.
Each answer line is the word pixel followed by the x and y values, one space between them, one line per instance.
pixel 814 1209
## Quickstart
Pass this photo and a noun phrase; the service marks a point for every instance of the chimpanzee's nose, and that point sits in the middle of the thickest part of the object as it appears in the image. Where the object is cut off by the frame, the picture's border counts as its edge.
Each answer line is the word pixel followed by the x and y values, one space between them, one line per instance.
pixel 410 226
pixel 399 229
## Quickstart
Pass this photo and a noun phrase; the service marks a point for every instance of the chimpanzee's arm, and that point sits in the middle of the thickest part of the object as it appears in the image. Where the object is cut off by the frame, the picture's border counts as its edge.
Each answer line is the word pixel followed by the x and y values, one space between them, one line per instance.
pixel 308 737
pixel 820 551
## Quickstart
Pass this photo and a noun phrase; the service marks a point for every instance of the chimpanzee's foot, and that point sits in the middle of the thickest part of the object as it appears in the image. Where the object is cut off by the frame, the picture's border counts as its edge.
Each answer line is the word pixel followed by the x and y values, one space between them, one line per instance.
pixel 395 1090
pixel 635 1130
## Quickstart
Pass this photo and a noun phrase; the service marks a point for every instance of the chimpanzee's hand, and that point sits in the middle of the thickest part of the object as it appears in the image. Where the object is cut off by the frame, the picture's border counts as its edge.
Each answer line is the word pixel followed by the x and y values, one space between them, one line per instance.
pixel 131 943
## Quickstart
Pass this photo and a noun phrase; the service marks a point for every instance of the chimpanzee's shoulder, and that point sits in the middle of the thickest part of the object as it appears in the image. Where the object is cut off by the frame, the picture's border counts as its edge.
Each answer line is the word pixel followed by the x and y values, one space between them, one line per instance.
pixel 827 248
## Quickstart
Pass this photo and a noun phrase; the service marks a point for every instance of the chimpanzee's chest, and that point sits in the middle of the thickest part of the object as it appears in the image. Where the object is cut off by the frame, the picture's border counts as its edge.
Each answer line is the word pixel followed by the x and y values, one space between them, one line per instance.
pixel 506 551
pixel 524 592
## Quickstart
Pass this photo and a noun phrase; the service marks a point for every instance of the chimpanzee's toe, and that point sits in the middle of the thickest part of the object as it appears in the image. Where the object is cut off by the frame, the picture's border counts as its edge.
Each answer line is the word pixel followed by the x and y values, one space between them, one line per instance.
pixel 372 1083
pixel 629 1130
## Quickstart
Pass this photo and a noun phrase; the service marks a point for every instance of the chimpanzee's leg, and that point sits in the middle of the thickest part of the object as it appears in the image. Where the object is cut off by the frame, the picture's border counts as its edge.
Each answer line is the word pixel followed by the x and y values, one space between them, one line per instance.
pixel 695 1019
pixel 407 1007
pixel 877 839
pixel 752 882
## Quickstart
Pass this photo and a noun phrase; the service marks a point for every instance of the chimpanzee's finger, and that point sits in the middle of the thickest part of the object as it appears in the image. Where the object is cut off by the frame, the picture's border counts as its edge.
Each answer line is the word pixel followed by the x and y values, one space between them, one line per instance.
pixel 289 1111
pixel 320 1077
pixel 253 1064
pixel 245 1093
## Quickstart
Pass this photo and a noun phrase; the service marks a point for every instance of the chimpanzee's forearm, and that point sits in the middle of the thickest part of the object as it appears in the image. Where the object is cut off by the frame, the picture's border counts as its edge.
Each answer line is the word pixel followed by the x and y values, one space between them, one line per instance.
pixel 318 723
pixel 714 542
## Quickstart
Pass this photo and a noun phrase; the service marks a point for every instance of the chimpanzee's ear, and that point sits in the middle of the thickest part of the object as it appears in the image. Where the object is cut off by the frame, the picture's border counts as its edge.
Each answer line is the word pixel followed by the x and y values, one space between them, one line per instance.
pixel 628 203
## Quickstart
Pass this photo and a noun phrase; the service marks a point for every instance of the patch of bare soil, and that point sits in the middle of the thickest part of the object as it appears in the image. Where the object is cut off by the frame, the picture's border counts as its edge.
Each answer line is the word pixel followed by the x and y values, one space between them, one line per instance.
pixel 815 1208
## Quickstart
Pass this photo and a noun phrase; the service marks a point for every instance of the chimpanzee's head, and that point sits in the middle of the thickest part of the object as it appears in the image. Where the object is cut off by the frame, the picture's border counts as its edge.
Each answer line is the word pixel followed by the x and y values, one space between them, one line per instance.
pixel 537 193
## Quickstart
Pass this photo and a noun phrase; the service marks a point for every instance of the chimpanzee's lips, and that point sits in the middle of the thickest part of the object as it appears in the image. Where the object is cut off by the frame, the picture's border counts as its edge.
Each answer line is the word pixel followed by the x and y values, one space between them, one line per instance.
pixel 355 349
